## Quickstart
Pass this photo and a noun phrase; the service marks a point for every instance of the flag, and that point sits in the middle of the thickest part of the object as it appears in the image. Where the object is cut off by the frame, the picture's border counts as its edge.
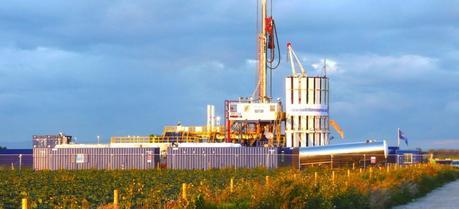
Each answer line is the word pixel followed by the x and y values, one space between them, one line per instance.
pixel 402 136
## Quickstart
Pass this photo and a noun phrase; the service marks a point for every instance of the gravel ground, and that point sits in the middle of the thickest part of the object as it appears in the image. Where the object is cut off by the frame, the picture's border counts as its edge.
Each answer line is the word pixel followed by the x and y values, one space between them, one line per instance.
pixel 445 197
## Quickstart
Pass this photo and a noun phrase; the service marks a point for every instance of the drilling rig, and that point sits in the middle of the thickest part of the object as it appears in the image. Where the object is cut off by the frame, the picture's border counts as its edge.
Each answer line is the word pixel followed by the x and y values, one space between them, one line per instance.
pixel 257 120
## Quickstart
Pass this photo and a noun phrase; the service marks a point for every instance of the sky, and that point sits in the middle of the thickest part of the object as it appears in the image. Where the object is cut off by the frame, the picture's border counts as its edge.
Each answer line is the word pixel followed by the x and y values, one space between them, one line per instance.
pixel 121 67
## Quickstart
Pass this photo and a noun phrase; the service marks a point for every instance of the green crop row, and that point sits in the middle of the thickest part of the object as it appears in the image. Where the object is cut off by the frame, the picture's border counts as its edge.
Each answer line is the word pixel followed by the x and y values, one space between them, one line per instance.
pixel 251 188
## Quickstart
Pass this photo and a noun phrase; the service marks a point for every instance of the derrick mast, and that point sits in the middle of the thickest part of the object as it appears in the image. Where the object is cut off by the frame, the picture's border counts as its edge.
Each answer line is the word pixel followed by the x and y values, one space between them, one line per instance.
pixel 257 118
pixel 262 54
pixel 267 36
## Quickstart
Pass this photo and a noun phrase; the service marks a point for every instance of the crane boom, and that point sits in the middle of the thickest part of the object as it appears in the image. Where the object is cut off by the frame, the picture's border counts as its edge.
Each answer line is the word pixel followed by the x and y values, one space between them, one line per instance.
pixel 292 55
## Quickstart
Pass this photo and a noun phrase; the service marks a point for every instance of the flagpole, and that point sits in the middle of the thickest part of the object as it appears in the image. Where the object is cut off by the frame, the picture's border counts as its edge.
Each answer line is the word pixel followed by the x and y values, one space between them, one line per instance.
pixel 398 137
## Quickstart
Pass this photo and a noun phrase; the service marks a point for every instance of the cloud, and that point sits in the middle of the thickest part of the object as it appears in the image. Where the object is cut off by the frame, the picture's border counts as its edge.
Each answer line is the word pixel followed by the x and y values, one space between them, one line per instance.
pixel 405 66
pixel 331 66
pixel 452 107
pixel 206 67
pixel 374 94
pixel 251 62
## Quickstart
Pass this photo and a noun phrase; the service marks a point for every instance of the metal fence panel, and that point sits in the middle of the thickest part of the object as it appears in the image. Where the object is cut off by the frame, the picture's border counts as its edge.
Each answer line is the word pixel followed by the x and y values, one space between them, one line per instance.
pixel 221 157
pixel 95 158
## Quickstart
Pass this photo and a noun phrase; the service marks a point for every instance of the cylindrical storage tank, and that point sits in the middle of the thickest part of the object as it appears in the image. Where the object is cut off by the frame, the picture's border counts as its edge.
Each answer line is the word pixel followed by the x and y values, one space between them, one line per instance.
pixel 360 154
pixel 307 111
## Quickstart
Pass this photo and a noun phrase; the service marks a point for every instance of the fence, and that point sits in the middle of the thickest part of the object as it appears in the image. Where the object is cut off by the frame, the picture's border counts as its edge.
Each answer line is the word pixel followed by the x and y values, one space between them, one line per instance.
pixel 196 158
pixel 154 139
pixel 221 157
pixel 16 161
pixel 95 158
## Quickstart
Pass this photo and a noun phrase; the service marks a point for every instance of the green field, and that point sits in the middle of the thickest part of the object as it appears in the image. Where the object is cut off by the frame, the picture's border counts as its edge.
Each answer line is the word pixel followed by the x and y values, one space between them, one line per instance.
pixel 283 188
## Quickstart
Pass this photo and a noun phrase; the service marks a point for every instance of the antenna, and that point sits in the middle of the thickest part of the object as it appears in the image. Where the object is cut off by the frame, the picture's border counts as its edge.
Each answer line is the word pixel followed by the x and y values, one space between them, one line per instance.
pixel 325 67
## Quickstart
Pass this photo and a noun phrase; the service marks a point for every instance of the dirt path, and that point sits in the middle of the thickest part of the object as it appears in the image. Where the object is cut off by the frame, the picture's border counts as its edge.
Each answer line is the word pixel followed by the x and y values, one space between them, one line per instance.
pixel 445 197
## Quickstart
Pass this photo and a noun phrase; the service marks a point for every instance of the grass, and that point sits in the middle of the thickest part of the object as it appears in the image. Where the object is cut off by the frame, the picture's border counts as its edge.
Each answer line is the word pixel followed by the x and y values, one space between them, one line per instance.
pixel 284 188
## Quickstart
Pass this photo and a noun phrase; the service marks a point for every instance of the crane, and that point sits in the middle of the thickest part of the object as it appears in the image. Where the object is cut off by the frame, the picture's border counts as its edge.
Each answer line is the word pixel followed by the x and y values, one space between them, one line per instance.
pixel 291 56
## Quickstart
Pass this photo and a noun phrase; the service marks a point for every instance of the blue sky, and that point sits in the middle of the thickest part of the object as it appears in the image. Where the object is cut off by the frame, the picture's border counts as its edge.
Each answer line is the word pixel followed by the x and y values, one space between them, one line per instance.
pixel 114 68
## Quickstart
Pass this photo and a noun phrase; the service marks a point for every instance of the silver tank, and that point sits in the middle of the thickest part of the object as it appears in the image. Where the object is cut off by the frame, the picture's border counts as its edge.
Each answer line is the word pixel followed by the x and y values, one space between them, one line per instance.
pixel 358 154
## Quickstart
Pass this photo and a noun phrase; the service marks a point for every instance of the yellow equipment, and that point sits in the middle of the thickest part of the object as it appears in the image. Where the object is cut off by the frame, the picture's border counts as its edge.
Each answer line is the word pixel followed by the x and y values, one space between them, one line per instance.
pixel 337 128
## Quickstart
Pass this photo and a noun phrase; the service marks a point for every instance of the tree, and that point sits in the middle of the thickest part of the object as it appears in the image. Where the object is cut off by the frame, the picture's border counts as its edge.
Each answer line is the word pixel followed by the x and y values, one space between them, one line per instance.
pixel 2 148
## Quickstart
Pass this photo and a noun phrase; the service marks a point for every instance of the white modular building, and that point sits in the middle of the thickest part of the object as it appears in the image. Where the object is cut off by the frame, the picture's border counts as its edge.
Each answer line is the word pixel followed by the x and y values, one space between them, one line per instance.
pixel 307 111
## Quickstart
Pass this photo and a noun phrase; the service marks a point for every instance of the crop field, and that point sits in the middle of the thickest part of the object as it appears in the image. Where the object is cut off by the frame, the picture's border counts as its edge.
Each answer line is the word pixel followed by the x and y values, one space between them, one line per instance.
pixel 228 188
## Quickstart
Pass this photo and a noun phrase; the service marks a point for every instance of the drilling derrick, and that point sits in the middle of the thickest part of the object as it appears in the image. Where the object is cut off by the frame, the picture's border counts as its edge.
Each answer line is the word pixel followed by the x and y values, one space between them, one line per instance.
pixel 262 55
pixel 257 120
pixel 266 45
